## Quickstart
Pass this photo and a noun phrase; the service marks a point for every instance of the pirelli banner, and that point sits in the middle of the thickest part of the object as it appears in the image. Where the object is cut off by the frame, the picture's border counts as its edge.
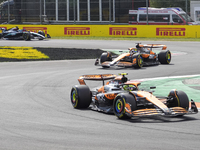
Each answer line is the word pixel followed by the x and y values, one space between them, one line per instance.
pixel 163 31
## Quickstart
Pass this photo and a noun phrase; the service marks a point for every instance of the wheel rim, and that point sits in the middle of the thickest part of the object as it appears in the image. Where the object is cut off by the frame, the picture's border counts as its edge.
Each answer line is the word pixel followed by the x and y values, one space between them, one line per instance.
pixel 74 98
pixel 119 106
pixel 168 57
pixel 140 61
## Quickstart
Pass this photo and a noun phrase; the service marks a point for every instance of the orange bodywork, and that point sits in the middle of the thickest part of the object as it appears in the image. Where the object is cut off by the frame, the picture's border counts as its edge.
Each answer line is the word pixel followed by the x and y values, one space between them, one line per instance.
pixel 110 96
pixel 145 55
pixel 151 98
pixel 95 77
pixel 121 57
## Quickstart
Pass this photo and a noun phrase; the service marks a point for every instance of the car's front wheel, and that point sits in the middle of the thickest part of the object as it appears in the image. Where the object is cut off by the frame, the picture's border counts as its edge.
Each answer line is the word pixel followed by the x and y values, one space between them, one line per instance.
pixel 106 56
pixel 137 61
pixel 119 105
pixel 179 99
pixel 26 36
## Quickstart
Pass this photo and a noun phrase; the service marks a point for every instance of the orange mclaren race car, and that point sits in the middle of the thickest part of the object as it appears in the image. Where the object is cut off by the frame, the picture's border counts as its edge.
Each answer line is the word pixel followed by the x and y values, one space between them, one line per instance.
pixel 125 100
pixel 137 57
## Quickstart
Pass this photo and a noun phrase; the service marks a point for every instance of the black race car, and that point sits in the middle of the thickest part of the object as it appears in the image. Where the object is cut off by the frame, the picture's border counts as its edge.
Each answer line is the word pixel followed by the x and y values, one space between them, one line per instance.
pixel 21 34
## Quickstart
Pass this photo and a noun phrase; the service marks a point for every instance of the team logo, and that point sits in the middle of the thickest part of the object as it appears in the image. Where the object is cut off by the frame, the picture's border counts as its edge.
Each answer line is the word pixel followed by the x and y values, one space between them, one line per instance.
pixel 129 31
pixel 36 29
pixel 77 31
pixel 170 31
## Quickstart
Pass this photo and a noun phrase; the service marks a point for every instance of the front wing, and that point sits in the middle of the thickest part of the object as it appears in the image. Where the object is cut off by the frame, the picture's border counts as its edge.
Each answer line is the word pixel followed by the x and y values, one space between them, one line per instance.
pixel 173 111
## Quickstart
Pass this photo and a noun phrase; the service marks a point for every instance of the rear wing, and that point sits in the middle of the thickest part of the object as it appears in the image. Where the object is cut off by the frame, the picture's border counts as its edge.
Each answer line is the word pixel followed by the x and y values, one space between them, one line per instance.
pixel 164 47
pixel 96 77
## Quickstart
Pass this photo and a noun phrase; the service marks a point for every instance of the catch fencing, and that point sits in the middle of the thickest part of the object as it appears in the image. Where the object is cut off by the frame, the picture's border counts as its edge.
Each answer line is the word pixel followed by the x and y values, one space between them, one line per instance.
pixel 77 11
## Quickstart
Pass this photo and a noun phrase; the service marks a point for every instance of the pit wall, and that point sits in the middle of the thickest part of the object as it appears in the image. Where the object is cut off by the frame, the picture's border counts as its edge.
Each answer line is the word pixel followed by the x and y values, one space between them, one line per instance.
pixel 162 31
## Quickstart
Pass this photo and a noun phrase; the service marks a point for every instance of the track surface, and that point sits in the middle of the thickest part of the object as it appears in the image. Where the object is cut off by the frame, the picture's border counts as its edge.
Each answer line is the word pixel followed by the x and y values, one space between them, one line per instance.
pixel 36 112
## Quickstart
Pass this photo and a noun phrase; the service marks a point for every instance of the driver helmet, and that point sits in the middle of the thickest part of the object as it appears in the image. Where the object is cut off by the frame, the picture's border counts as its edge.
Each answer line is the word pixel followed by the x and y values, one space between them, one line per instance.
pixel 128 87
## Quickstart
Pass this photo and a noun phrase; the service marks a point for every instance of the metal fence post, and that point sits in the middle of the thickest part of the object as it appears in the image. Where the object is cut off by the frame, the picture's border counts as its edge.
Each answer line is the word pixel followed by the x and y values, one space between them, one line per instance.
pixel 40 11
pixel 109 11
pixel 147 5
pixel 8 11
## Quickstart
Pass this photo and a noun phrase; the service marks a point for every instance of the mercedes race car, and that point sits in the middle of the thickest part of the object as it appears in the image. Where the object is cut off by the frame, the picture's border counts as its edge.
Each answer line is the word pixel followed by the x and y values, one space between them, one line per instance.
pixel 137 57
pixel 21 34
pixel 124 98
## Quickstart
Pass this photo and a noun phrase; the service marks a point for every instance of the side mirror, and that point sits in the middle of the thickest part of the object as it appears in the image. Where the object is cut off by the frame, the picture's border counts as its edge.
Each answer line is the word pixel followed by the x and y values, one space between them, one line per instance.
pixel 153 87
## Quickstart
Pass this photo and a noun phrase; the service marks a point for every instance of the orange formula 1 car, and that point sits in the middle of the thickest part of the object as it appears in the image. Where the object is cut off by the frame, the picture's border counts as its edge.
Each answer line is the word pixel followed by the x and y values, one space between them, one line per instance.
pixel 137 57
pixel 125 100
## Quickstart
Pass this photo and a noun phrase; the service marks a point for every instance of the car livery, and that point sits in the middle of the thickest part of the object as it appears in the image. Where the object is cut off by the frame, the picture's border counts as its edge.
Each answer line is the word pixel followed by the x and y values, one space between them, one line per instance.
pixel 124 98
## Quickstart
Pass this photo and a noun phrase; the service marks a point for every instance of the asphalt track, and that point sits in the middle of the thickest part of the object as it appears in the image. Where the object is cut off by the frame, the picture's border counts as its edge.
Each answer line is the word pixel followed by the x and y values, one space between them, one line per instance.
pixel 36 113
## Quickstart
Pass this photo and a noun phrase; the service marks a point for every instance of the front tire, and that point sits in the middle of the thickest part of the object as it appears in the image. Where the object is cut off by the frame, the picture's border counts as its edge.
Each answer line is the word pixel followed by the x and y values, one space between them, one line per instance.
pixel 164 57
pixel 119 105
pixel 26 36
pixel 180 99
pixel 137 61
pixel 80 96
pixel 105 57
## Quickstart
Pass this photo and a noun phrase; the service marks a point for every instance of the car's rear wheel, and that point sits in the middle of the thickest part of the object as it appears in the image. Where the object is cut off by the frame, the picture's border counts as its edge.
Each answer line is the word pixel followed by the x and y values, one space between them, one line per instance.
pixel 164 57
pixel 180 99
pixel 105 57
pixel 137 61
pixel 80 96
pixel 119 105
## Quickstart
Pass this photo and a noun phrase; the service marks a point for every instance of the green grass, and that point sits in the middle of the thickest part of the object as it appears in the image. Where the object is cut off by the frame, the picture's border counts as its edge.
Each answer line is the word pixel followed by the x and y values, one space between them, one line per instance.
pixel 128 38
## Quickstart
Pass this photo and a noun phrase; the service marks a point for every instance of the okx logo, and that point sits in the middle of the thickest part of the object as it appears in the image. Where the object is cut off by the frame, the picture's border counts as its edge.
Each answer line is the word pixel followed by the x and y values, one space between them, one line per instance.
pixel 170 32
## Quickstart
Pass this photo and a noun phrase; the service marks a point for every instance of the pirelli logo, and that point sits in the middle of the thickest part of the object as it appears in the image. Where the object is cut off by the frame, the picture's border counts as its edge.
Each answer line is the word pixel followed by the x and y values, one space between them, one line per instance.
pixel 77 31
pixel 36 29
pixel 123 31
pixel 170 31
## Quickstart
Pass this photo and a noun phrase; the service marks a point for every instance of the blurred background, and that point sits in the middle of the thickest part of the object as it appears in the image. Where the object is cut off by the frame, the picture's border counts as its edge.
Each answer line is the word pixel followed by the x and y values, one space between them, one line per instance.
pixel 84 11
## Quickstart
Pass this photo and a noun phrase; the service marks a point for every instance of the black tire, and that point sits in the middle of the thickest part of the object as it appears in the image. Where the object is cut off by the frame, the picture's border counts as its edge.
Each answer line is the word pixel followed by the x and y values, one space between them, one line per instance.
pixel 120 103
pixel 105 57
pixel 26 36
pixel 164 57
pixel 80 96
pixel 137 61
pixel 180 99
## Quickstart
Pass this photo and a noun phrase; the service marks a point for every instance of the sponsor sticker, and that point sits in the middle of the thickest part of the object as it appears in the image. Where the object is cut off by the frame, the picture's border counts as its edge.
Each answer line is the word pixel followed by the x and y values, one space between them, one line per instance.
pixel 170 32
pixel 83 31
pixel 129 31
pixel 36 29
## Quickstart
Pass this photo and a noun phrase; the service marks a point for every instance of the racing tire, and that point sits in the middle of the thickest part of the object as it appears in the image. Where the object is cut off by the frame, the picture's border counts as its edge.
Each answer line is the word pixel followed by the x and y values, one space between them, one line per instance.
pixel 180 99
pixel 119 105
pixel 80 96
pixel 164 57
pixel 105 57
pixel 137 61
pixel 26 36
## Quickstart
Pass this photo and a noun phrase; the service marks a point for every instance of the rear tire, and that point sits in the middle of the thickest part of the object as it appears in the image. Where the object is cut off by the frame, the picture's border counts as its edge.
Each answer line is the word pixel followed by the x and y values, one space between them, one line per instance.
pixel 80 96
pixel 105 57
pixel 119 105
pixel 164 57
